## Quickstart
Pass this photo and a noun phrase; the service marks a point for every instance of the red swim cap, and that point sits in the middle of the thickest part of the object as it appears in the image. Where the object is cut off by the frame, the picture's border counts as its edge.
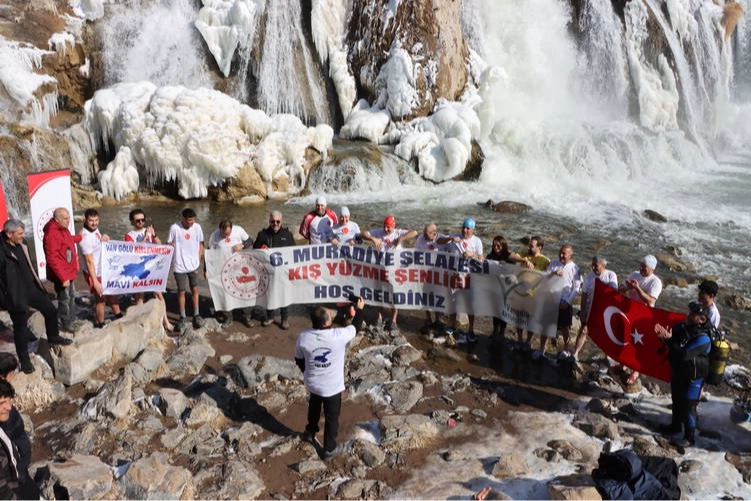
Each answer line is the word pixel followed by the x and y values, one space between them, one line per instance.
pixel 390 222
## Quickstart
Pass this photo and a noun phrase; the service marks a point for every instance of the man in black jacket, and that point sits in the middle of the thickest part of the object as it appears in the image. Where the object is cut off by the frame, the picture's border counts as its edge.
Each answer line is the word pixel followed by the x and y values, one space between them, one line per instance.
pixel 21 289
pixel 8 471
pixel 270 238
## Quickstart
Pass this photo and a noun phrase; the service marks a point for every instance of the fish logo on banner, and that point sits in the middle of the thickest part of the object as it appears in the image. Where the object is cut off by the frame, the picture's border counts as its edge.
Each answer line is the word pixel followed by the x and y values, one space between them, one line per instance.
pixel 625 330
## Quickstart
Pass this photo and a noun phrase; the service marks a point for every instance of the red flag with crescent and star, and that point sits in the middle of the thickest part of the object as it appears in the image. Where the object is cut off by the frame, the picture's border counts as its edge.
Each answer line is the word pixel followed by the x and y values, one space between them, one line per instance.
pixel 625 330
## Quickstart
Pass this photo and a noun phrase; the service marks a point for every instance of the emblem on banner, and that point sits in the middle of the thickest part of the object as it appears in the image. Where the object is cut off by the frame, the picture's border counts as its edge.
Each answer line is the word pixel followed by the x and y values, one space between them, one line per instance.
pixel 244 276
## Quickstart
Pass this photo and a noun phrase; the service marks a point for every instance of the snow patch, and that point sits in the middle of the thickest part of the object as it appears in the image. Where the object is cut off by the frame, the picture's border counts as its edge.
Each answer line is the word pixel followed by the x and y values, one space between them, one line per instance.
pixel 18 61
pixel 225 25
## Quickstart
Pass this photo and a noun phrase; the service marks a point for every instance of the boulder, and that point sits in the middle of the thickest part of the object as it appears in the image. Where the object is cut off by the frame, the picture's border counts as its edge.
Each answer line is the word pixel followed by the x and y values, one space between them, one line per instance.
pixel 406 355
pixel 152 477
pixel 80 477
pixel 189 360
pixel 113 400
pixel 172 402
pixel 596 425
pixel 509 207
pixel 257 369
pixel 510 466
pixel 405 432
pixel 573 487
pixel 140 327
pixel 369 453
pixel 75 363
pixel 404 395
pixel 240 481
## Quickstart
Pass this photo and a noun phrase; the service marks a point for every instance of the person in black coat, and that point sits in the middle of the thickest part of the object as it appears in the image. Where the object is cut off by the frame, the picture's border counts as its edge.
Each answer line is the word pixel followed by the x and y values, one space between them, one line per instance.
pixel 16 431
pixel 21 289
pixel 8 470
pixel 273 237
pixel 688 345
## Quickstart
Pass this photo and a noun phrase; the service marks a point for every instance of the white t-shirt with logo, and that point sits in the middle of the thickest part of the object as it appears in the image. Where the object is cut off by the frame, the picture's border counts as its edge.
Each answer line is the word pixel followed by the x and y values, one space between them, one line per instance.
pixel 139 236
pixel 571 279
pixel 323 351
pixel 237 236
pixel 472 244
pixel 187 246
pixel 607 277
pixel 320 230
pixel 91 243
pixel 652 285
pixel 423 244
pixel 388 239
pixel 345 232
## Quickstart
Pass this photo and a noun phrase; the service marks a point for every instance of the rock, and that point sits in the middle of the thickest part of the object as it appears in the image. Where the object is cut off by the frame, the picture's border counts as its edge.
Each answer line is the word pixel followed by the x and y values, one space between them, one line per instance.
pixel 673 263
pixel 310 466
pixel 406 355
pixel 151 359
pixel 80 477
pixel 654 216
pixel 369 381
pixel 479 413
pixel 403 373
pixel 75 363
pixel 152 477
pixel 246 183
pixel 597 406
pixel 369 453
pixel 257 369
pixel 172 438
pixel 113 400
pixel 566 450
pixel 454 455
pixel 573 487
pixel 742 463
pixel 202 413
pixel 509 466
pixel 405 432
pixel 596 425
pixel 444 353
pixel 736 302
pixel 188 360
pixel 404 395
pixel 509 207
pixel 172 402
pixel 141 326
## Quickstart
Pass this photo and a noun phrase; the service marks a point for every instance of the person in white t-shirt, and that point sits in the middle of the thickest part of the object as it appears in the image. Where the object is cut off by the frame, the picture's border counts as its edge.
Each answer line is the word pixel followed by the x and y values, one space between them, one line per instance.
pixel 389 238
pixel 316 225
pixel 469 246
pixel 234 237
pixel 91 250
pixel 644 287
pixel 708 290
pixel 428 241
pixel 601 273
pixel 346 232
pixel 564 266
pixel 186 236
pixel 143 232
pixel 319 353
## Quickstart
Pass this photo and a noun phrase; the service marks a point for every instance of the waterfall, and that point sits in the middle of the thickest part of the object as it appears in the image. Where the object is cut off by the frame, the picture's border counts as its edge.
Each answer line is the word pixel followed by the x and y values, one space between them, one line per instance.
pixel 289 80
pixel 153 40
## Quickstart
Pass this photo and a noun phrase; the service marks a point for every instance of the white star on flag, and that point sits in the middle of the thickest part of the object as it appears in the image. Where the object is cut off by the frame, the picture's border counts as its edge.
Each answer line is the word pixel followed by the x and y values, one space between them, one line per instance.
pixel 636 336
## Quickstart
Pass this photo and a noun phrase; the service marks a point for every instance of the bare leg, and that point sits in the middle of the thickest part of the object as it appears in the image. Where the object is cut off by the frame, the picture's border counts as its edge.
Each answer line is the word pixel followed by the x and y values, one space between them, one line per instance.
pixel 581 338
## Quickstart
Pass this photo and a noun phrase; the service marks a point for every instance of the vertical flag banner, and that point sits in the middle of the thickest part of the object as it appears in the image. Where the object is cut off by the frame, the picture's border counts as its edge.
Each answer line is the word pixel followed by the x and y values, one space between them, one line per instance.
pixel 3 204
pixel 47 191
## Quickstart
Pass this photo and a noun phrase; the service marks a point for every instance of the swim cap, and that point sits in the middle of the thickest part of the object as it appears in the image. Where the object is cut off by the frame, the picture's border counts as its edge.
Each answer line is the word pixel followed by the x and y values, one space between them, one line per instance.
pixel 321 201
pixel 390 222
pixel 469 223
pixel 344 211
pixel 650 261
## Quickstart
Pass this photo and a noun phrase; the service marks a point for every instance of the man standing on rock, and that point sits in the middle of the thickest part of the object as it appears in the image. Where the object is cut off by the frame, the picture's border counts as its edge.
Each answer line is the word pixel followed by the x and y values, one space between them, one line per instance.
pixel 91 250
pixel 601 273
pixel 564 266
pixel 62 264
pixel 270 238
pixel 642 286
pixel 533 259
pixel 186 236
pixel 234 237
pixel 316 225
pixel 319 353
pixel 21 289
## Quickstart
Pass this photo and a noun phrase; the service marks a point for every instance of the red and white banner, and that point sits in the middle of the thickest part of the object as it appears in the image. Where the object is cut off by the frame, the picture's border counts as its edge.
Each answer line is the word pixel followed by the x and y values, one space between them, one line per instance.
pixel 47 191
pixel 625 330
pixel 407 279
pixel 3 204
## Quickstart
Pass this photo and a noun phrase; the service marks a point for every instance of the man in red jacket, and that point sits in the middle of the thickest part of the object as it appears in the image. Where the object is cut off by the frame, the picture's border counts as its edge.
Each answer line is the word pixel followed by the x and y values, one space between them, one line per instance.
pixel 62 265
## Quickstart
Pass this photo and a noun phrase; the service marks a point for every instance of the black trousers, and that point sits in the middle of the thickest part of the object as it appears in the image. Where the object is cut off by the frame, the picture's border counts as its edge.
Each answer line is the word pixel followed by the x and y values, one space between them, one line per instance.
pixel 40 302
pixel 284 312
pixel 332 407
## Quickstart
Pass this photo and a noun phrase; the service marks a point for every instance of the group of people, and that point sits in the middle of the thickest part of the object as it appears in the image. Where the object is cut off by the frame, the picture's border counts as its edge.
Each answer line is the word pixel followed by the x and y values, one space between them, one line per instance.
pixel 320 350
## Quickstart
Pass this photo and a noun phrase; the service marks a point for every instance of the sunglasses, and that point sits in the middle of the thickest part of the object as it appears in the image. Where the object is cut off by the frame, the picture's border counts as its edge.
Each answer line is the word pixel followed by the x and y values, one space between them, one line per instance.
pixel 139 220
pixel 275 221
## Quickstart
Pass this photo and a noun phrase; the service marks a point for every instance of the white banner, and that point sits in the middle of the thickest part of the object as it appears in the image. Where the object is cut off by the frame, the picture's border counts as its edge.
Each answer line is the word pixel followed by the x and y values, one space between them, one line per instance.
pixel 129 267
pixel 406 279
pixel 47 191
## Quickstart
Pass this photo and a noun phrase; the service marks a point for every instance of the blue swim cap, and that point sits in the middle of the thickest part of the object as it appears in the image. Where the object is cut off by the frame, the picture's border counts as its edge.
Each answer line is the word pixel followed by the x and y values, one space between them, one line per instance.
pixel 469 223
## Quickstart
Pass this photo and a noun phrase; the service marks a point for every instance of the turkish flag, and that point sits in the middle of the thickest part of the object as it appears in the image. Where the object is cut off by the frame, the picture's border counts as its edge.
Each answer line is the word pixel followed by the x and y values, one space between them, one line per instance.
pixel 625 330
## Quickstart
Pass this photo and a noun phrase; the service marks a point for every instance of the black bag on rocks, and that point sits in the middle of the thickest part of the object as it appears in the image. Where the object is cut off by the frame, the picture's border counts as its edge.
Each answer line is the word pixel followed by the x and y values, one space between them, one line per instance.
pixel 624 475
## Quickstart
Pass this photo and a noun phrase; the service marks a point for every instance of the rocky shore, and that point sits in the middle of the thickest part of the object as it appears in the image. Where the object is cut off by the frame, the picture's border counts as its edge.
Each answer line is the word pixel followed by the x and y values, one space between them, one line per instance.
pixel 211 413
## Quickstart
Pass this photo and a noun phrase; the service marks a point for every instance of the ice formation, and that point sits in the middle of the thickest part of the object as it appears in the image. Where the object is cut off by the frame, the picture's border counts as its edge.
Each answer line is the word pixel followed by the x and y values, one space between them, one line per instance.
pixel 365 122
pixel 225 24
pixel 88 9
pixel 197 137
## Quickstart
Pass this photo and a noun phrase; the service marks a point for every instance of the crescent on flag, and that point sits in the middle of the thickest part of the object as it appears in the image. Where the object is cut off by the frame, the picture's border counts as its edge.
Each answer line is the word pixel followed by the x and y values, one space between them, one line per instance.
pixel 607 316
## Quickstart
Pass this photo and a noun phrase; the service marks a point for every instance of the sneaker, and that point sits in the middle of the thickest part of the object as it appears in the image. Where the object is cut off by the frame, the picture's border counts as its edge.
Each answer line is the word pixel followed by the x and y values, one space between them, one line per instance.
pixel 27 367
pixel 248 322
pixel 309 437
pixel 198 321
pixel 564 355
pixel 99 325
pixel 62 341
pixel 119 315
pixel 285 325
pixel 267 322
pixel 391 326
pixel 536 355
pixel 180 324
pixel 472 337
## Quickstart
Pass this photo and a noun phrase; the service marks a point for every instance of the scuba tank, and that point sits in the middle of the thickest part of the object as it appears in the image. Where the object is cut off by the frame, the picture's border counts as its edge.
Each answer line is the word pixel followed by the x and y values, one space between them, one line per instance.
pixel 718 357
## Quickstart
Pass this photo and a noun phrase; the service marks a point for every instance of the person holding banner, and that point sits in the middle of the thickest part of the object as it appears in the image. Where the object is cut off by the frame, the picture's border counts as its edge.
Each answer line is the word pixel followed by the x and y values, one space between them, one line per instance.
pixel 143 233
pixel 346 232
pixel 389 238
pixel 186 236
pixel 316 225
pixel 428 241
pixel 21 289
pixel 62 264
pixel 644 287
pixel 270 238
pixel 601 273
pixel 236 238
pixel 533 259
pixel 564 266
pixel 91 249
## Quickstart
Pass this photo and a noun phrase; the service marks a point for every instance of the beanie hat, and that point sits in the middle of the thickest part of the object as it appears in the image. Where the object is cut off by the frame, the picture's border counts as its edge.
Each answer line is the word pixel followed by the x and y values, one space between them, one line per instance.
pixel 390 222
pixel 650 261
pixel 469 223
